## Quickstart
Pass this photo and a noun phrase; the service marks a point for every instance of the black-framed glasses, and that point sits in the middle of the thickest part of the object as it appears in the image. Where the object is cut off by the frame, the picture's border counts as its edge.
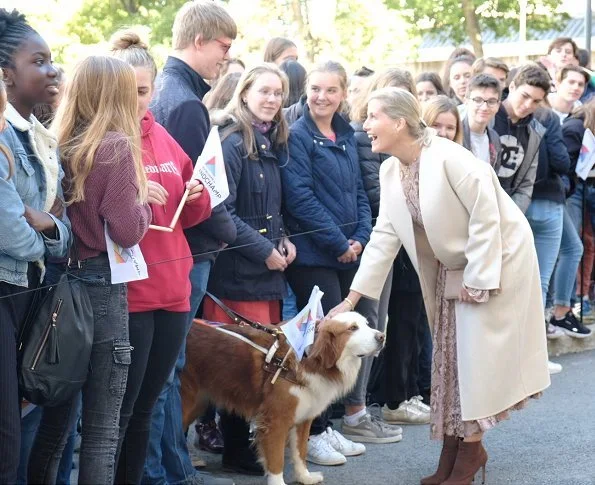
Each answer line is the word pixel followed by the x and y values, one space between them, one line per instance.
pixel 225 46
pixel 480 101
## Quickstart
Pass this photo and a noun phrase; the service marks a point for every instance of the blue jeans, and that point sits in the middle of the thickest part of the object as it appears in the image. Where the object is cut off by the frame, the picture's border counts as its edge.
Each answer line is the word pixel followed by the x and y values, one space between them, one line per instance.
pixel 290 308
pixel 168 460
pixel 546 219
pixel 103 391
pixel 571 251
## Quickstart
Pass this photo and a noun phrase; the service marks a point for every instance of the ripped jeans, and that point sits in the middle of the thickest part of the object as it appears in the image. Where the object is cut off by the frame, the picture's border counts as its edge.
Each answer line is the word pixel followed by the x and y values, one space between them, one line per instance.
pixel 103 391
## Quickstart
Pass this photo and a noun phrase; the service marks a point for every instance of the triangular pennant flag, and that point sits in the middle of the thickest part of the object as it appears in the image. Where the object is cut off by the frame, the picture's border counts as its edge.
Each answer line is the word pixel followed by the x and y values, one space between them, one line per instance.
pixel 210 169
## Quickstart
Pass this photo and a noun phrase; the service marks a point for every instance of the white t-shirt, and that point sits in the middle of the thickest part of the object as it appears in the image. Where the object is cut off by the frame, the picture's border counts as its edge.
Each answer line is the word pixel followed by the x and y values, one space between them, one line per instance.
pixel 480 146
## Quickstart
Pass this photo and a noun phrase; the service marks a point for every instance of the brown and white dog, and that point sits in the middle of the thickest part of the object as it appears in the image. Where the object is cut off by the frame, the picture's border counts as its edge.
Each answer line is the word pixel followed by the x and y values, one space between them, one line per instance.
pixel 230 373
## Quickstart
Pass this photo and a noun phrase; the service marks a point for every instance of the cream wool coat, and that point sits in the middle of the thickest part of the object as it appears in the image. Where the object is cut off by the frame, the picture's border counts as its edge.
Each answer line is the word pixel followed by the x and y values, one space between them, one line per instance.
pixel 470 224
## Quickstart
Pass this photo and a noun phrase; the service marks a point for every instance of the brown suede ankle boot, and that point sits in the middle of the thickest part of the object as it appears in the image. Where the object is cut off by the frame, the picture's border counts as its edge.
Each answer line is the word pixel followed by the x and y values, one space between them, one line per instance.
pixel 470 458
pixel 448 455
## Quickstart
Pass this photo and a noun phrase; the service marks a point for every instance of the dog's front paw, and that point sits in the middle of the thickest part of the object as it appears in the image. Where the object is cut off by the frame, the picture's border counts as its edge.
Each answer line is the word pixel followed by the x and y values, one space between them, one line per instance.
pixel 310 478
pixel 275 479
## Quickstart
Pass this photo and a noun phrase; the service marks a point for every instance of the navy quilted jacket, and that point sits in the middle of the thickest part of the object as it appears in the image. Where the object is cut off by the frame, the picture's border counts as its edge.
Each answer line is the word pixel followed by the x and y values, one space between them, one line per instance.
pixel 323 193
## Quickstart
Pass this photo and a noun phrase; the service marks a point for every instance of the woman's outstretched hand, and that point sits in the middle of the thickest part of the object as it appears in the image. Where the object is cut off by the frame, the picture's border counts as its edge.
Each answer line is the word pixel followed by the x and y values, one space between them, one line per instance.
pixel 342 307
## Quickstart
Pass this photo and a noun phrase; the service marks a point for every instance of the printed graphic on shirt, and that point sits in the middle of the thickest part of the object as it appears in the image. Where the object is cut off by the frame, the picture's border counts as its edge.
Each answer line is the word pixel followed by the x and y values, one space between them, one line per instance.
pixel 166 167
pixel 512 156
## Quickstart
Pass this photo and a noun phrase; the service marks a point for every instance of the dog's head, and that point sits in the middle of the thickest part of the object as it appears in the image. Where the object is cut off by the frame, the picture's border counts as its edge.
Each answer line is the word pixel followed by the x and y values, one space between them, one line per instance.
pixel 346 335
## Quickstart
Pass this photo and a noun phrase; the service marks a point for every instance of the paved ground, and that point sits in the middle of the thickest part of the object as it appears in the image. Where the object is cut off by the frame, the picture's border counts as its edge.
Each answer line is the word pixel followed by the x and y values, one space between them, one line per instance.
pixel 552 442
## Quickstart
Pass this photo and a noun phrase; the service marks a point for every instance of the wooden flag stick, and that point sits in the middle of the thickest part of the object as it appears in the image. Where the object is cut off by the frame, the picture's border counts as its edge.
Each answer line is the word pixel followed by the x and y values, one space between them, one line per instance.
pixel 174 221
pixel 274 379
pixel 160 228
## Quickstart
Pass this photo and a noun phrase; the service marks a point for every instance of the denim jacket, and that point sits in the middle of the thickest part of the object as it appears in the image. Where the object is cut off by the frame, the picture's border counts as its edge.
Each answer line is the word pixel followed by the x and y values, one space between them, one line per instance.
pixel 19 242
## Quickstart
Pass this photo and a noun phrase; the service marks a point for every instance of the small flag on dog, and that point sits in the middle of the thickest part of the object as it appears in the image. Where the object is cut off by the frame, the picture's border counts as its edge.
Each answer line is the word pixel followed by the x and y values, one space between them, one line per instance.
pixel 300 329
pixel 210 169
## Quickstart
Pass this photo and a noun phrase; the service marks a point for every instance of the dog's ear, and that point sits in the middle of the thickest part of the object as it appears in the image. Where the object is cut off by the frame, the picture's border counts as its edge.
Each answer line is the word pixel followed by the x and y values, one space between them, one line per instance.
pixel 325 348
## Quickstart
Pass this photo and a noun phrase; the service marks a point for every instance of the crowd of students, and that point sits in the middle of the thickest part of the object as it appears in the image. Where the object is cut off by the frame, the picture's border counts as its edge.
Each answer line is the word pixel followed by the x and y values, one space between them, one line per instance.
pixel 304 195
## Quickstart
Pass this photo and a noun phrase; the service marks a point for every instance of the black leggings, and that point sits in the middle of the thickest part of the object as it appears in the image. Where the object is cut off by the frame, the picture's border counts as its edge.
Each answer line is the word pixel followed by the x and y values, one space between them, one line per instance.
pixel 157 337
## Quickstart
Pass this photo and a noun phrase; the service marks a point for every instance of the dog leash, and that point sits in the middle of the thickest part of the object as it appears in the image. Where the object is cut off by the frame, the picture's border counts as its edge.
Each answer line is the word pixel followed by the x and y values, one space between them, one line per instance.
pixel 240 319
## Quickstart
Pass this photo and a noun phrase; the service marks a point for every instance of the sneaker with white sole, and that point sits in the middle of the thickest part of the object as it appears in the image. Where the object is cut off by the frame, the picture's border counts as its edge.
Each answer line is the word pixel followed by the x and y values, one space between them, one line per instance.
pixel 342 444
pixel 571 325
pixel 407 413
pixel 371 429
pixel 552 332
pixel 321 451
pixel 418 401
pixel 553 367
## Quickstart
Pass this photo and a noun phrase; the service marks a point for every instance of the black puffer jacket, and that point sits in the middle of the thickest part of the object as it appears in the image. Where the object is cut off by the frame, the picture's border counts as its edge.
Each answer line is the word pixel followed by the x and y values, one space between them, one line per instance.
pixel 369 163
pixel 254 203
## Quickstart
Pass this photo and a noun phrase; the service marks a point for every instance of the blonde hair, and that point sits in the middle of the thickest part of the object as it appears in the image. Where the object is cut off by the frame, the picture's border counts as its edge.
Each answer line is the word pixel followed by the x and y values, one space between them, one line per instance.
pixel 242 117
pixel 127 45
pixel 201 18
pixel 393 77
pixel 332 67
pixel 443 104
pixel 219 97
pixel 101 97
pixel 398 103
pixel 275 47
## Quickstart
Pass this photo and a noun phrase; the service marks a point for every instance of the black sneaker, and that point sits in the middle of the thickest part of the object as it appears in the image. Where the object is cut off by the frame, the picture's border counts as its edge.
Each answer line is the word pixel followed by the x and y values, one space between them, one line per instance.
pixel 571 326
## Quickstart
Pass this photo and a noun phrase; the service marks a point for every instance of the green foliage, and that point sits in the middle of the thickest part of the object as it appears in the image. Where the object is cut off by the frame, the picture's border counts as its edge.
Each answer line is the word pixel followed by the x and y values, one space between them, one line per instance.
pixel 500 16
pixel 98 19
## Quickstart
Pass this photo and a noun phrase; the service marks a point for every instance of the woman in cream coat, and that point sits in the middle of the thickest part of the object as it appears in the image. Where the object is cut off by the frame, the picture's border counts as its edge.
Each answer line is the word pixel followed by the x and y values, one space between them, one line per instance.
pixel 449 212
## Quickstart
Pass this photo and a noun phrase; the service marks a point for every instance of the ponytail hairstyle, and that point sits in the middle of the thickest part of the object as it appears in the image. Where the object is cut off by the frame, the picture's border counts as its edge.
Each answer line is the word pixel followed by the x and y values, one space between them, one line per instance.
pixel 101 97
pixel 128 46
pixel 242 117
pixel 4 149
pixel 398 103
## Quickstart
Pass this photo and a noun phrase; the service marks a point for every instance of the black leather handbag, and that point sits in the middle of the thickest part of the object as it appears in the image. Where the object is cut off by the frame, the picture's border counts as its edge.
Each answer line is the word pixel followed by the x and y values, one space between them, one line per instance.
pixel 55 343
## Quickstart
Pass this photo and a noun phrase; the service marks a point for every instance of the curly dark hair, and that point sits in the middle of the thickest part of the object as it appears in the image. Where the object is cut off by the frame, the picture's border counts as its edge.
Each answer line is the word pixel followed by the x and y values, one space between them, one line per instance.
pixel 14 30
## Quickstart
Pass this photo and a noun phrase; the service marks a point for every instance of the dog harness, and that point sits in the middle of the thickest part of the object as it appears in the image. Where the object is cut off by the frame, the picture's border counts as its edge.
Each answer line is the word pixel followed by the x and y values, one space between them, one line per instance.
pixel 272 363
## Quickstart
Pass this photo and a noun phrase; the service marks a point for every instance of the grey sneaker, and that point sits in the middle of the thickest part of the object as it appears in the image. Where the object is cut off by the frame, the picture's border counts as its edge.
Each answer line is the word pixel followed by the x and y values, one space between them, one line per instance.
pixel 371 429
pixel 408 412
pixel 207 479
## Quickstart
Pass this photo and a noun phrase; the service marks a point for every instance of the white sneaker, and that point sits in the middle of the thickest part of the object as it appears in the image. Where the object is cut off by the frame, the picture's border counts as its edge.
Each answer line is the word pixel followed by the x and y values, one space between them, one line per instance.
pixel 342 444
pixel 419 403
pixel 553 367
pixel 553 332
pixel 321 452
pixel 406 413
